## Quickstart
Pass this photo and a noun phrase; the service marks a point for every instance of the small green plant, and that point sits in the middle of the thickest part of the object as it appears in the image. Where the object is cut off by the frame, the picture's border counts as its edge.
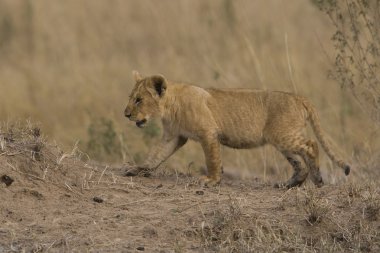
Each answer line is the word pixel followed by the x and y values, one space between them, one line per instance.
pixel 151 131
pixel 103 143
pixel 6 29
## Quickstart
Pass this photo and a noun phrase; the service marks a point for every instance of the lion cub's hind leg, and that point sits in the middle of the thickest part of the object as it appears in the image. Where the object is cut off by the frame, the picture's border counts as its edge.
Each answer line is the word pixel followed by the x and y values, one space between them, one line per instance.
pixel 303 156
pixel 301 171
pixel 312 160
pixel 296 150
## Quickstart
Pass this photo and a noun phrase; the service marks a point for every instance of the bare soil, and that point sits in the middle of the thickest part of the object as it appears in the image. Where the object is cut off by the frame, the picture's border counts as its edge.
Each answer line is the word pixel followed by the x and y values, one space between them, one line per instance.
pixel 51 201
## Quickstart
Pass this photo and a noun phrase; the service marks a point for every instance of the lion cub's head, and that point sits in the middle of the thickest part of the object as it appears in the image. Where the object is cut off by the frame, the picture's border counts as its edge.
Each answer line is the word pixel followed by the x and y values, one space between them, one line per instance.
pixel 145 97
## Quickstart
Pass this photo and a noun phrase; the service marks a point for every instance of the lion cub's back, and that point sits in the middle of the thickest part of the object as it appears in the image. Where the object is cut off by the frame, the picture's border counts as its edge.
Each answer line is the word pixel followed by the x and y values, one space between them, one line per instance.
pixel 240 114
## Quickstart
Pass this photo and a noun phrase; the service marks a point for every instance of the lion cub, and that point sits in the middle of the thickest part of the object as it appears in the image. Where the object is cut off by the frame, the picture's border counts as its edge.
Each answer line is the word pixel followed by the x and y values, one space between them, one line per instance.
pixel 237 118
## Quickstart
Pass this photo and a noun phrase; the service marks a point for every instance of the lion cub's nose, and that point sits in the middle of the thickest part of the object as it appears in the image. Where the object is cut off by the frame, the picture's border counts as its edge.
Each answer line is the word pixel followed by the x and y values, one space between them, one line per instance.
pixel 127 114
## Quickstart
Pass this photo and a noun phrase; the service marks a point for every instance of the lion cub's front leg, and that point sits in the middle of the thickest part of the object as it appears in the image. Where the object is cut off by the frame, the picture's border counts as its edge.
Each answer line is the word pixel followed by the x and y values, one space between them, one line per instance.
pixel 211 148
pixel 157 156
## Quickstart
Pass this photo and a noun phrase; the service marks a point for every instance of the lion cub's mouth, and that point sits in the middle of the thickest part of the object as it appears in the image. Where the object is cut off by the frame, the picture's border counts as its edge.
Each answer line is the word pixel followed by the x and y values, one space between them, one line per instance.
pixel 141 123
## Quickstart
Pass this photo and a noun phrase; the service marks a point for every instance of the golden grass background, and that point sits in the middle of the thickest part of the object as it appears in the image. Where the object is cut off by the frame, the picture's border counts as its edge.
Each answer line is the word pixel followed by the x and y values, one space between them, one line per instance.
pixel 68 63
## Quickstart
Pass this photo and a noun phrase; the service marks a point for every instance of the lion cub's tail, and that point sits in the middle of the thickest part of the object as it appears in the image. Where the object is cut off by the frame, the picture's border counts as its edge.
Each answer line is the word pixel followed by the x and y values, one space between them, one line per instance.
pixel 314 121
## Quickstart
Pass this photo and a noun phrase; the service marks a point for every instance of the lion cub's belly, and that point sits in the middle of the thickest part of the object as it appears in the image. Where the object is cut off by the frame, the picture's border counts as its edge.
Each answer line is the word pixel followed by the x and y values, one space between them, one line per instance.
pixel 239 142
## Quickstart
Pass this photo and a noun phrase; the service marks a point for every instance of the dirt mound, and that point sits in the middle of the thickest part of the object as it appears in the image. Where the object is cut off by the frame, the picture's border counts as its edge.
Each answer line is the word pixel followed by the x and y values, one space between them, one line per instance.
pixel 55 201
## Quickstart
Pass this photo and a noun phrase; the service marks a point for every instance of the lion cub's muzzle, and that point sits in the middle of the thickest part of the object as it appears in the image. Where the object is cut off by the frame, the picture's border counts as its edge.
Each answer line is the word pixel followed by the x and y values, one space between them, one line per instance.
pixel 140 123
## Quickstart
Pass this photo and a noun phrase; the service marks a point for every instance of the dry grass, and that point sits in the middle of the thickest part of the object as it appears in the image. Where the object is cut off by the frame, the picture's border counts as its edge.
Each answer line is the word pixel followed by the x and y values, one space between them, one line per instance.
pixel 67 65
pixel 319 223
pixel 61 201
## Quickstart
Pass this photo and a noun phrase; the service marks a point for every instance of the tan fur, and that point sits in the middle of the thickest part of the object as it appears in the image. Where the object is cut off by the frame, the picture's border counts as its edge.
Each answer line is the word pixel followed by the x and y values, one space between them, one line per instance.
pixel 237 118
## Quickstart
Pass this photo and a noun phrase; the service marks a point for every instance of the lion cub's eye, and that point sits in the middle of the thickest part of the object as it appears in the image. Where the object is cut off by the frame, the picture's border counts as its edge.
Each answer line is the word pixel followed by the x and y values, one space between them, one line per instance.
pixel 138 101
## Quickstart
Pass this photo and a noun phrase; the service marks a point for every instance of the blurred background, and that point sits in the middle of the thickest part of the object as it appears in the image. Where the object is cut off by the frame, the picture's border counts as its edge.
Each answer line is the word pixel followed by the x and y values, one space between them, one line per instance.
pixel 67 65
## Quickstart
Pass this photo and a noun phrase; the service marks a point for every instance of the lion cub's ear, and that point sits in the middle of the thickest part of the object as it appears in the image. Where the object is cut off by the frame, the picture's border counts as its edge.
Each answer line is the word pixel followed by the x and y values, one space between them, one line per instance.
pixel 136 75
pixel 159 84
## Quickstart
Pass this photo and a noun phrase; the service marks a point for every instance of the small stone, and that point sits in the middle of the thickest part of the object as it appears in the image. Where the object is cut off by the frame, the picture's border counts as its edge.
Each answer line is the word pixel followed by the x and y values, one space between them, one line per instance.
pixel 200 192
pixel 141 248
pixel 7 180
pixel 98 200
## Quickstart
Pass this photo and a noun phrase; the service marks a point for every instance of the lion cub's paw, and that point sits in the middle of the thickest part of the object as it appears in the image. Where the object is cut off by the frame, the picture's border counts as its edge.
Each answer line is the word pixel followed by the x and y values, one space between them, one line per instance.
pixel 137 171
pixel 280 185
pixel 288 185
pixel 209 182
pixel 132 172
